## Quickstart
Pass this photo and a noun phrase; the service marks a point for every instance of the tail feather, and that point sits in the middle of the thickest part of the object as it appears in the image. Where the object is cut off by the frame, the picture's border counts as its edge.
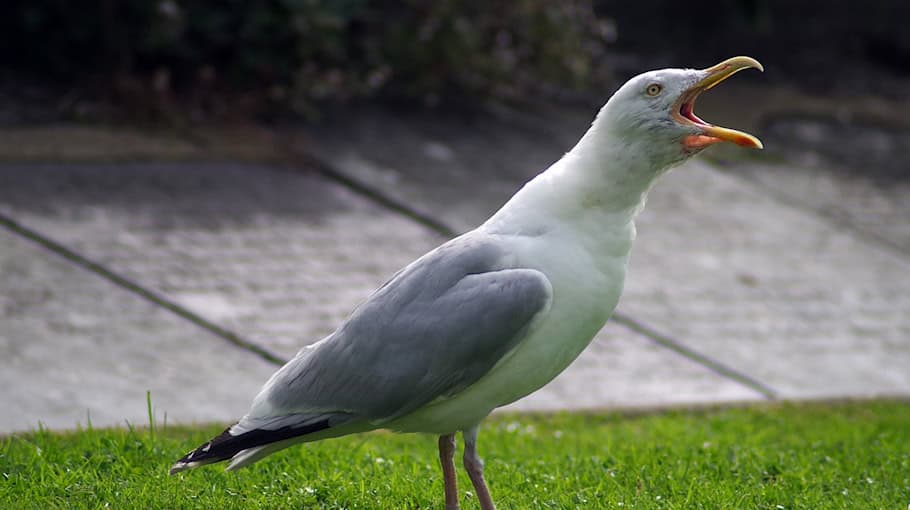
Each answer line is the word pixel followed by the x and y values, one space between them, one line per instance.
pixel 251 455
pixel 226 445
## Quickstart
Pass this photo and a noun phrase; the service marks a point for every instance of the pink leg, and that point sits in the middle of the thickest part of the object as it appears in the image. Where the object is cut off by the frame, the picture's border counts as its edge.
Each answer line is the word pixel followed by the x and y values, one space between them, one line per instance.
pixel 447 458
pixel 474 467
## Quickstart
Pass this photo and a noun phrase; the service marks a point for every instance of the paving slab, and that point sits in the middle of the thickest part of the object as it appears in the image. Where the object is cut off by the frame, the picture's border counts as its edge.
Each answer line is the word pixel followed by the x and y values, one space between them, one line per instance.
pixel 277 255
pixel 766 287
pixel 855 174
pixel 75 347
pixel 810 309
pixel 622 369
pixel 458 170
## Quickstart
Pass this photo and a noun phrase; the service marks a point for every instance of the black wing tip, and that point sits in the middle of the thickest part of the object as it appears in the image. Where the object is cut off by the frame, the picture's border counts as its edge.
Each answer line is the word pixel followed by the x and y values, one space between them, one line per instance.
pixel 225 445
pixel 204 453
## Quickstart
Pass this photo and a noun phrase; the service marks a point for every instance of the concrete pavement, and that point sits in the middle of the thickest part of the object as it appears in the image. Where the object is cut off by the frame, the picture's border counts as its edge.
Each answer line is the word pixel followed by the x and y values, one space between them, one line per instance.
pixel 77 348
pixel 735 292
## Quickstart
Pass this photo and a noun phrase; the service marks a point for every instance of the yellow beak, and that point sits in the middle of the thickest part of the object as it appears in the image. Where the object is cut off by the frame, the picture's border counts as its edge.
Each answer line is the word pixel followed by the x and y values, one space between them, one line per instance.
pixel 710 133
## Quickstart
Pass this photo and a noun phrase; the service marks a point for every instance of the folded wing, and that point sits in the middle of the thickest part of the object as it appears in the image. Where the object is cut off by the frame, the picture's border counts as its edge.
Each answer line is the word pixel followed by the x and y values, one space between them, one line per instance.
pixel 434 329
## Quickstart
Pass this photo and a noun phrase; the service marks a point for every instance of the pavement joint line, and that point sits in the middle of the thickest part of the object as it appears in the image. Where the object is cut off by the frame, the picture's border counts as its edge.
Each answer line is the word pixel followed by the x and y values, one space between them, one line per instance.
pixel 384 200
pixel 714 365
pixel 131 286
pixel 839 223
pixel 328 170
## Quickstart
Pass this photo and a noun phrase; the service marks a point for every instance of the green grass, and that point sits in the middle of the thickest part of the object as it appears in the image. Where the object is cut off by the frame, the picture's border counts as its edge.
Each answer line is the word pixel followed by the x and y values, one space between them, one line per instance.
pixel 847 455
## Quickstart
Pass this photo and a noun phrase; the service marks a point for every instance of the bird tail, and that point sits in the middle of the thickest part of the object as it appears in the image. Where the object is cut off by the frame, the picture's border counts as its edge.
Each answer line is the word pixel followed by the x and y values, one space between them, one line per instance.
pixel 244 446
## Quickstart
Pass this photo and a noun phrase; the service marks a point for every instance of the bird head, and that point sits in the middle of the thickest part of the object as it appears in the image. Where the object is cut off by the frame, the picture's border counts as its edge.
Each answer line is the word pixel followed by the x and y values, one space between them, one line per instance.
pixel 657 107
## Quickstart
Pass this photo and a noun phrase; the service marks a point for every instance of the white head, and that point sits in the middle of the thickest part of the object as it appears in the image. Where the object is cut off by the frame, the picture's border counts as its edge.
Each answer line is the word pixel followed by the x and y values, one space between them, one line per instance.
pixel 645 128
pixel 654 111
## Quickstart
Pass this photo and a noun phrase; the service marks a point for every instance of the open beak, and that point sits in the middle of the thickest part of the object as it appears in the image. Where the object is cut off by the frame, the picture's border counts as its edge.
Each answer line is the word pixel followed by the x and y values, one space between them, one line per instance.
pixel 711 134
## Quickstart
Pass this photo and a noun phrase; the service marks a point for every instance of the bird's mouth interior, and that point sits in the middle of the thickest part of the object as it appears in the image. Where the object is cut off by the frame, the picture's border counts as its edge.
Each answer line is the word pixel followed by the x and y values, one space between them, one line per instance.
pixel 709 133
pixel 686 111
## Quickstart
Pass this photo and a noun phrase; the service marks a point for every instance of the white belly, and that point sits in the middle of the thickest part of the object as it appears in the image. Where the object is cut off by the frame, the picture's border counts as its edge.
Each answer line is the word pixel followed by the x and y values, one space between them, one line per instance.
pixel 585 293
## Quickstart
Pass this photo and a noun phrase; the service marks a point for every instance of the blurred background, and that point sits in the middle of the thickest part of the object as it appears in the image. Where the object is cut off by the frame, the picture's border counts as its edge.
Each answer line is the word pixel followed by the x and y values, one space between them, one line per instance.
pixel 224 181
pixel 284 58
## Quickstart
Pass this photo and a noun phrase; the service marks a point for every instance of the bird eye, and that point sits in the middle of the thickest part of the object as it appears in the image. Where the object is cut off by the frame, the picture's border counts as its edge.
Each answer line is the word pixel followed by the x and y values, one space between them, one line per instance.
pixel 653 89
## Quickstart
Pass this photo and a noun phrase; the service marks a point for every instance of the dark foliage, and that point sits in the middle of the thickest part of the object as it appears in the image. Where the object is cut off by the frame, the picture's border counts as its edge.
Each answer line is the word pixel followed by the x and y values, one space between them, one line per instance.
pixel 299 53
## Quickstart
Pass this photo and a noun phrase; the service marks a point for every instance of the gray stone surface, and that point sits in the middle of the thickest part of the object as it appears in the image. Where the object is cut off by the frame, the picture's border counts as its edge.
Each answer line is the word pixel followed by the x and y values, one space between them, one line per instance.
pixel 809 309
pixel 276 255
pixel 856 175
pixel 624 369
pixel 74 346
pixel 457 171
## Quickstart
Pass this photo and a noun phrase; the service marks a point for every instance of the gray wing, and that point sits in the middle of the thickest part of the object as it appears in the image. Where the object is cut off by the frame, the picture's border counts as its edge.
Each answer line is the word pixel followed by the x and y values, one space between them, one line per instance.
pixel 435 328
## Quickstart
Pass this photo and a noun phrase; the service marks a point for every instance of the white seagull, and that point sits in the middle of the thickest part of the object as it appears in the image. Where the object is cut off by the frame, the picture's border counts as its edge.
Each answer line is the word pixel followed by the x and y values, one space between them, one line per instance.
pixel 496 313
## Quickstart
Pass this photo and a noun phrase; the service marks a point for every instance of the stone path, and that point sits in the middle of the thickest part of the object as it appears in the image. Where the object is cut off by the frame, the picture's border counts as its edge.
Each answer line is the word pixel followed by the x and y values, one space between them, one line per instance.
pixel 75 347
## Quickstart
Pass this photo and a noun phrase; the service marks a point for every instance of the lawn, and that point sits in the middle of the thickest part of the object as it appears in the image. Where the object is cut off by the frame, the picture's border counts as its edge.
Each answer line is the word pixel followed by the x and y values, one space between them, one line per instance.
pixel 853 455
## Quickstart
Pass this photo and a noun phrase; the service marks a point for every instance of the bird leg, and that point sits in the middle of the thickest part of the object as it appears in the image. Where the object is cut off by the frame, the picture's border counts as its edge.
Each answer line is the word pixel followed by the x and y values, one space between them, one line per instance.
pixel 474 466
pixel 447 459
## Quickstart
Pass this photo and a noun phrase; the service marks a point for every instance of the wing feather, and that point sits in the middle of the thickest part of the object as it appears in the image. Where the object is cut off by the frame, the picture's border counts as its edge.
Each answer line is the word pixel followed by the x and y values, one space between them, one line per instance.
pixel 435 328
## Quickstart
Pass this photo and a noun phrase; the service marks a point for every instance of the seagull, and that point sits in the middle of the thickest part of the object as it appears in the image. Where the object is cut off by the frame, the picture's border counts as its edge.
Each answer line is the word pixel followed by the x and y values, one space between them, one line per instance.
pixel 496 313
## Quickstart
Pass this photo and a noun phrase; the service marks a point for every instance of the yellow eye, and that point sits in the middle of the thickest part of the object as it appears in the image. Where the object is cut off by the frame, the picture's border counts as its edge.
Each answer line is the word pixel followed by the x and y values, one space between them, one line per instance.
pixel 653 89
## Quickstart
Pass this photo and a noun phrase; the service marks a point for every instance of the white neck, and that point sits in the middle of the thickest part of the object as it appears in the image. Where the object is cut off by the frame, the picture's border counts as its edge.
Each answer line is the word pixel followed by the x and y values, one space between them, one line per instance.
pixel 604 178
